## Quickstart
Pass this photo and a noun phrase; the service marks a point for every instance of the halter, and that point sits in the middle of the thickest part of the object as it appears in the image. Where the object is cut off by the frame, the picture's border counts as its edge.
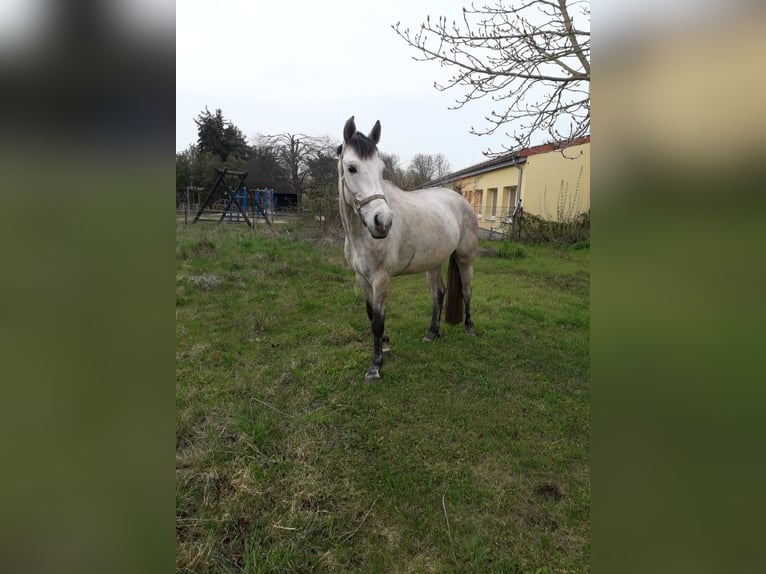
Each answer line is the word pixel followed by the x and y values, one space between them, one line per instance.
pixel 357 203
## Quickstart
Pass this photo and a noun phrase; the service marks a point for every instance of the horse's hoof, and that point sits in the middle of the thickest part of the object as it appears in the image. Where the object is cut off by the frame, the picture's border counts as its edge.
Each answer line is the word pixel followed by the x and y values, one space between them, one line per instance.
pixel 372 376
pixel 386 350
pixel 469 332
pixel 430 337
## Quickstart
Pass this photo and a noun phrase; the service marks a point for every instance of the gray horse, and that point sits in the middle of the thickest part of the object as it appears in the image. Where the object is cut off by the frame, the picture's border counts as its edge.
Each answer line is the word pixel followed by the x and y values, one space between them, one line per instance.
pixel 392 232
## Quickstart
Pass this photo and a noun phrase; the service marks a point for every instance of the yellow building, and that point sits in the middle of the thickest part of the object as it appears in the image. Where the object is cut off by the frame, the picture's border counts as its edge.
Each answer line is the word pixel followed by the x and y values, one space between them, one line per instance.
pixel 544 180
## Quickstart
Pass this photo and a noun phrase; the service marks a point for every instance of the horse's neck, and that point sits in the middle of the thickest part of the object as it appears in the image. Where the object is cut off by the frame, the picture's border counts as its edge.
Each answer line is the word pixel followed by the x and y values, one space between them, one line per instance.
pixel 352 223
pixel 356 233
pixel 348 216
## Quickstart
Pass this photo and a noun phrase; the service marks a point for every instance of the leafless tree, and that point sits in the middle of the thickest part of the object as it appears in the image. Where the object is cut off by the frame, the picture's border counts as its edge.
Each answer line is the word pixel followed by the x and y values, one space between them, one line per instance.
pixel 320 193
pixel 394 172
pixel 425 167
pixel 295 151
pixel 441 166
pixel 532 57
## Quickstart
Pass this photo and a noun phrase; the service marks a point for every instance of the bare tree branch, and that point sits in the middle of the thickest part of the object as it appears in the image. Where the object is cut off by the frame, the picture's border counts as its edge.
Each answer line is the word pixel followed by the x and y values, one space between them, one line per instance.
pixel 425 167
pixel 294 152
pixel 532 57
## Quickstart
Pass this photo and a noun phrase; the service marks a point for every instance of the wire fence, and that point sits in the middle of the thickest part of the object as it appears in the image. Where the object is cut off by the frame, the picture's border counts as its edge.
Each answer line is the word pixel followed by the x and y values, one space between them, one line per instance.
pixel 518 226
pixel 282 220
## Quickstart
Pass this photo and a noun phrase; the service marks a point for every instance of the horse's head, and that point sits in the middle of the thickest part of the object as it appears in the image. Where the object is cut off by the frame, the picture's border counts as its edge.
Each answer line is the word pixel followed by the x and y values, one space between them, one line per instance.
pixel 360 170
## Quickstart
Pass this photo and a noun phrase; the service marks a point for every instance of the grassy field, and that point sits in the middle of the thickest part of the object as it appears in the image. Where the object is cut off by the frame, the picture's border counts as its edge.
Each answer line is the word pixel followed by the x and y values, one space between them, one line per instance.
pixel 471 454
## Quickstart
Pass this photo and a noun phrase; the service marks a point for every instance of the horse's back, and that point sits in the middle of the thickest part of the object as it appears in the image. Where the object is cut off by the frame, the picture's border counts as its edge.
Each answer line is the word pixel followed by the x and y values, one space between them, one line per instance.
pixel 468 245
pixel 437 200
pixel 448 201
pixel 432 223
pixel 456 202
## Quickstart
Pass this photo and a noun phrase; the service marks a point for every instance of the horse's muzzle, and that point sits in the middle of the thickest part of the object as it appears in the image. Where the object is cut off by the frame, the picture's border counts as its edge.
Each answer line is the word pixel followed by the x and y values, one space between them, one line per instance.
pixel 380 226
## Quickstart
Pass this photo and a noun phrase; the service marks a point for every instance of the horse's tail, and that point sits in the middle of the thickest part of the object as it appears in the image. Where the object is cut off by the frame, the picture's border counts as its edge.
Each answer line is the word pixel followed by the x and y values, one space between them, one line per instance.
pixel 454 311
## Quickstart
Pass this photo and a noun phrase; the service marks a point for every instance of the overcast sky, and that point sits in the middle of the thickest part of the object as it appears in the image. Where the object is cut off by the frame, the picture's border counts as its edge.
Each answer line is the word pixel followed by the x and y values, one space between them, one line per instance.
pixel 306 66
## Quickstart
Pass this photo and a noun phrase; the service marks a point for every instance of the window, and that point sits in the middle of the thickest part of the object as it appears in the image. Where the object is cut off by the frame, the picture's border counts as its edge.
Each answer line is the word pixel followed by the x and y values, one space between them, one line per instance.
pixel 477 204
pixel 492 200
pixel 509 200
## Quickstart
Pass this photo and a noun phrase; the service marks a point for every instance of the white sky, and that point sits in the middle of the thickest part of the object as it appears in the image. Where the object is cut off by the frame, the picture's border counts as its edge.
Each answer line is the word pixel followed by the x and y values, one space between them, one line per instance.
pixel 306 66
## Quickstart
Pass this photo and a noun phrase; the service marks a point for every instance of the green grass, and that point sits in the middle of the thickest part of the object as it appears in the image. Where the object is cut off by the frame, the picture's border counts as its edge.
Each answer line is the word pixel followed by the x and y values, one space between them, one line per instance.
pixel 288 462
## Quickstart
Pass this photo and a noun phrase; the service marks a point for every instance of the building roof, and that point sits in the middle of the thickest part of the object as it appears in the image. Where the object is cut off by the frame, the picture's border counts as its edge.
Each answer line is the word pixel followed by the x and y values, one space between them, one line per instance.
pixel 505 160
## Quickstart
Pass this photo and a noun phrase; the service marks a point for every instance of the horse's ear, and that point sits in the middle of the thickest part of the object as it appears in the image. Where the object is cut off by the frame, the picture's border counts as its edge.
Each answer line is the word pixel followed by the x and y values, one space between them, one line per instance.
pixel 374 136
pixel 349 129
pixel 338 150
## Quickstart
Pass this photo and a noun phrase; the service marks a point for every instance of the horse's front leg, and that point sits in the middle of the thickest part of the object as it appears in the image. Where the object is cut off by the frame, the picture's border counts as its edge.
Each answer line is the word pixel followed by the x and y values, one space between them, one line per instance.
pixel 386 342
pixel 378 325
pixel 375 295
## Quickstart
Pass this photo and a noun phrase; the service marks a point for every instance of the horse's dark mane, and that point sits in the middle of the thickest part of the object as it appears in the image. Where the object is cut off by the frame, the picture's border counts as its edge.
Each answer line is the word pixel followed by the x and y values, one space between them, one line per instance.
pixel 362 145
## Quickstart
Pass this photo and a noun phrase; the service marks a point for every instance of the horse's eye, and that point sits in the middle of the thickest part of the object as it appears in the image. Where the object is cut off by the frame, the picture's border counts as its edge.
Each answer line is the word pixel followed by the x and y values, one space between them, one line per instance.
pixel 351 169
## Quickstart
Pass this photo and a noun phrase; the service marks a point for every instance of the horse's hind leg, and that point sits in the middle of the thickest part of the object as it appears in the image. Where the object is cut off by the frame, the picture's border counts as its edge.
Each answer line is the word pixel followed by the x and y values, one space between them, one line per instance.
pixel 465 264
pixel 437 293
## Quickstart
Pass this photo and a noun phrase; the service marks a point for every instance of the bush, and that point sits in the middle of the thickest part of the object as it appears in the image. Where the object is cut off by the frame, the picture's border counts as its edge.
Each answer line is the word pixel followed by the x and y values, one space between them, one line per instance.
pixel 535 229
pixel 567 227
pixel 510 250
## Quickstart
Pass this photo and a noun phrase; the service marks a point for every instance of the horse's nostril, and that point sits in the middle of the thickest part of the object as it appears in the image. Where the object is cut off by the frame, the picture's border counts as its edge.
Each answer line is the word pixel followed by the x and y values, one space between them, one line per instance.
pixel 377 220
